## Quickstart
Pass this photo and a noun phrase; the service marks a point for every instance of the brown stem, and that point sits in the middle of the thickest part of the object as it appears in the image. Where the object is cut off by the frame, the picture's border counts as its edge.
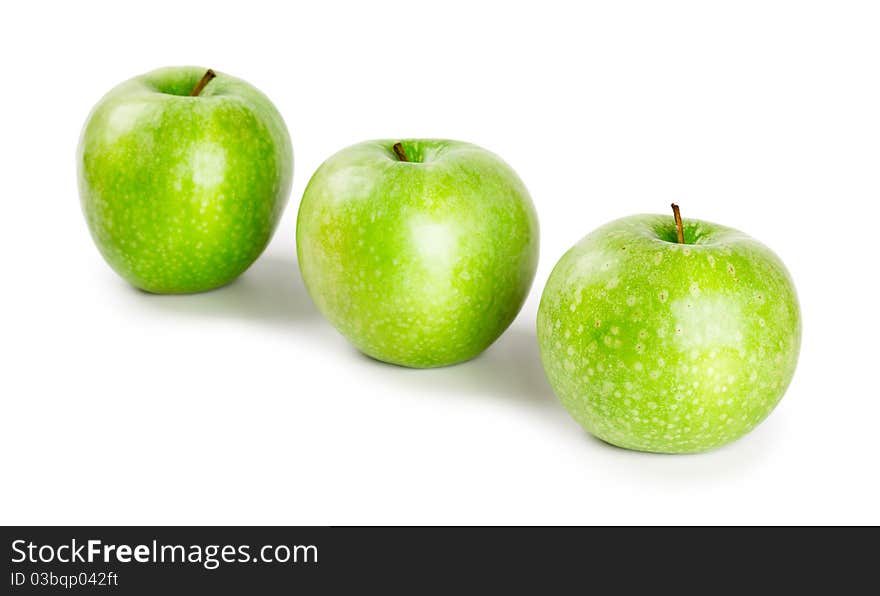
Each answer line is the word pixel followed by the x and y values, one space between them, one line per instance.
pixel 399 152
pixel 209 74
pixel 678 227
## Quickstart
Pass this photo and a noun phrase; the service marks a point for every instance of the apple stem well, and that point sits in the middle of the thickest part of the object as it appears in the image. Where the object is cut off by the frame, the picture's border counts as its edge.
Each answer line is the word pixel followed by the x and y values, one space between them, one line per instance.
pixel 206 78
pixel 399 152
pixel 678 227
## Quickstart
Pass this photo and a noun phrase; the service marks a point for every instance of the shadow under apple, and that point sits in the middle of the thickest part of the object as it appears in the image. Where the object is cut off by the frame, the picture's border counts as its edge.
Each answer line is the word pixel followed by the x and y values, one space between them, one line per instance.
pixel 510 370
pixel 717 465
pixel 270 292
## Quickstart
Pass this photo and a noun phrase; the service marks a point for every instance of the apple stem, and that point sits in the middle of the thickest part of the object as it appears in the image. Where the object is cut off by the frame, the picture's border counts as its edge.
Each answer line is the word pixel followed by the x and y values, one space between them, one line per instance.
pixel 209 74
pixel 399 152
pixel 678 226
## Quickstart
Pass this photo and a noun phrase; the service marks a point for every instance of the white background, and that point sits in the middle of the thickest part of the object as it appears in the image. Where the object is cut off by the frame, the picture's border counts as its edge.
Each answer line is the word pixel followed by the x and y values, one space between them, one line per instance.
pixel 244 406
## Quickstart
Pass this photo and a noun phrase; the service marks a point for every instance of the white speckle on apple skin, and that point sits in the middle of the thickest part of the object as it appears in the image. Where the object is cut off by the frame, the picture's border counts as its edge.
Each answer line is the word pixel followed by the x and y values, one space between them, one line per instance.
pixel 725 342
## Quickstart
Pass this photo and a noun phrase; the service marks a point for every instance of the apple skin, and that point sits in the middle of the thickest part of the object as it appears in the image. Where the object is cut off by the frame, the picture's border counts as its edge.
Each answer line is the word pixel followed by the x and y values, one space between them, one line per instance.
pixel 421 263
pixel 181 194
pixel 673 348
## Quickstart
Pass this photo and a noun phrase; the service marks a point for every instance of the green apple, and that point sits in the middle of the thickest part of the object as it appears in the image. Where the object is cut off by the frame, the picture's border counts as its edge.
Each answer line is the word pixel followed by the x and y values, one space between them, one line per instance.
pixel 420 252
pixel 183 176
pixel 656 345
